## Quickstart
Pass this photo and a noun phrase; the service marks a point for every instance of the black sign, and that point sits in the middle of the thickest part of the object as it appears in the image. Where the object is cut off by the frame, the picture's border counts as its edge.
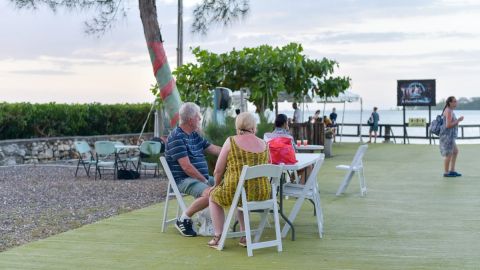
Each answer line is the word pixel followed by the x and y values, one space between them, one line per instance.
pixel 416 93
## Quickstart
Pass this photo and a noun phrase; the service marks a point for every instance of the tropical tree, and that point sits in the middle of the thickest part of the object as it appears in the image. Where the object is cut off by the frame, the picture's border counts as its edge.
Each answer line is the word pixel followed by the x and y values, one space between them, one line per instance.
pixel 205 14
pixel 265 70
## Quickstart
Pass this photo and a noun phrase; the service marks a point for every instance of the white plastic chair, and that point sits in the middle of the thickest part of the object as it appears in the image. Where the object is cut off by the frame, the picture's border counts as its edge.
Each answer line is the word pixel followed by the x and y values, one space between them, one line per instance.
pixel 267 170
pixel 355 167
pixel 308 191
pixel 172 191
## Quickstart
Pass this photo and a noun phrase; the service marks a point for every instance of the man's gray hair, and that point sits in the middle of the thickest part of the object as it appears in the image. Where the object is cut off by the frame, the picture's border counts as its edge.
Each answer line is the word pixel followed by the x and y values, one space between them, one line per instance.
pixel 188 110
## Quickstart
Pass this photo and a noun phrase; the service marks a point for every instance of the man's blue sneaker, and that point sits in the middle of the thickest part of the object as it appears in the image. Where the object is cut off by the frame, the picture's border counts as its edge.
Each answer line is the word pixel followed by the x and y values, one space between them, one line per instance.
pixel 456 174
pixel 449 174
pixel 185 227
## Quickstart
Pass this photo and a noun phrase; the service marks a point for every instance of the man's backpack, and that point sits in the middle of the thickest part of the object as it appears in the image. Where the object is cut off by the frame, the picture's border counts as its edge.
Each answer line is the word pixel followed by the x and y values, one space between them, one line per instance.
pixel 127 174
pixel 436 125
pixel 370 120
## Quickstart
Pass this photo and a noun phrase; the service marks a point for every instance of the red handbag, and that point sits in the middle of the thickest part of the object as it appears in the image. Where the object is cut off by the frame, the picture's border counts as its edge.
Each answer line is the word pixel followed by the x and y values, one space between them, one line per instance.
pixel 281 151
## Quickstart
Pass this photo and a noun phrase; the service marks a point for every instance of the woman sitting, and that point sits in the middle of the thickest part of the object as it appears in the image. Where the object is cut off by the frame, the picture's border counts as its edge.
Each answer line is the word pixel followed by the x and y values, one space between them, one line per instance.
pixel 243 149
pixel 281 130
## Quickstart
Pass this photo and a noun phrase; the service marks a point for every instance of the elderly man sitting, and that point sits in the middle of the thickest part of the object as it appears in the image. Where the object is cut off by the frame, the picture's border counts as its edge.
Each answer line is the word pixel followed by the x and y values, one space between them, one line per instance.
pixel 185 157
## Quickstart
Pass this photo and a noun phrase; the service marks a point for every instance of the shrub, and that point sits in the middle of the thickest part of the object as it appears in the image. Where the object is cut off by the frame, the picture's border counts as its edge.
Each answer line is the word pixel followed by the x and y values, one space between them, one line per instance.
pixel 26 120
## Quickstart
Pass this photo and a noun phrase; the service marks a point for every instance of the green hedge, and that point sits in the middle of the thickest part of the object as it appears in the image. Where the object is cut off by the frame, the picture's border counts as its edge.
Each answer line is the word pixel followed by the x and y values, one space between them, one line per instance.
pixel 26 120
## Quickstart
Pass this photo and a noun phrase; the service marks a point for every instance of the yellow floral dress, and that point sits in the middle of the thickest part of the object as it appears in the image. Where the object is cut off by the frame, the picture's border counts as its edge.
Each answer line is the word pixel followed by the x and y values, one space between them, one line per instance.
pixel 257 189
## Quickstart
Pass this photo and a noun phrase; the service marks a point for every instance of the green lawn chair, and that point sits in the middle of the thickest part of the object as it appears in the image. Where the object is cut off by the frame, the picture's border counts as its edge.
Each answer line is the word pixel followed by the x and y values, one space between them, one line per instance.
pixel 85 156
pixel 149 156
pixel 105 155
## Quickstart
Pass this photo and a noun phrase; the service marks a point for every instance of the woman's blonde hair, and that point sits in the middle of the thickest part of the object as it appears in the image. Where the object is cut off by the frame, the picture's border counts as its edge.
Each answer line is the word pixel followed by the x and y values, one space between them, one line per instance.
pixel 245 121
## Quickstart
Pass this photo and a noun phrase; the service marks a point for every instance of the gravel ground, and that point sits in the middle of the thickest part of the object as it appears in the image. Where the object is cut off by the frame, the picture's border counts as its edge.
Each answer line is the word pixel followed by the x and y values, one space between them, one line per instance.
pixel 40 201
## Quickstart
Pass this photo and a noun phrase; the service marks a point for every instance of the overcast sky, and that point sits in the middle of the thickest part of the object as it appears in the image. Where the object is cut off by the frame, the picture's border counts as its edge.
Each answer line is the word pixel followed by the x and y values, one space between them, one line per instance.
pixel 47 57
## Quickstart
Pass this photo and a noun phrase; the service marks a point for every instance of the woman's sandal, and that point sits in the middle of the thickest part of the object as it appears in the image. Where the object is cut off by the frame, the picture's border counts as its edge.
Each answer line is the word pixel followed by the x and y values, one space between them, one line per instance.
pixel 214 242
pixel 243 241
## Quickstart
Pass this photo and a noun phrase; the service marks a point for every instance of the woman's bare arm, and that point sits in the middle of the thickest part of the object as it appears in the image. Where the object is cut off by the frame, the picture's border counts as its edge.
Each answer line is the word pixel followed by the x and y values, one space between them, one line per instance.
pixel 221 162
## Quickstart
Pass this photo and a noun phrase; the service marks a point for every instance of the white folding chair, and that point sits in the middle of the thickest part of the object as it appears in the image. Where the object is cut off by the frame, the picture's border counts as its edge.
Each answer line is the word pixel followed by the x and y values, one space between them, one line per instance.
pixel 308 191
pixel 172 191
pixel 248 173
pixel 355 167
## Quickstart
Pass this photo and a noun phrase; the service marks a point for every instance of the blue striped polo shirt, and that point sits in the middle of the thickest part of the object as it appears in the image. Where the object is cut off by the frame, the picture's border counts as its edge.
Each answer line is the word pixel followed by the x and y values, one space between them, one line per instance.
pixel 181 144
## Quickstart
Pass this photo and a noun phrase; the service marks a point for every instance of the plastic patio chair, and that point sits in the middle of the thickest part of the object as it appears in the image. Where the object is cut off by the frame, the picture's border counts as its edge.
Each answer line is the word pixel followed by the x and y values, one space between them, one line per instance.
pixel 355 167
pixel 248 173
pixel 172 191
pixel 105 155
pixel 307 191
pixel 85 156
pixel 150 149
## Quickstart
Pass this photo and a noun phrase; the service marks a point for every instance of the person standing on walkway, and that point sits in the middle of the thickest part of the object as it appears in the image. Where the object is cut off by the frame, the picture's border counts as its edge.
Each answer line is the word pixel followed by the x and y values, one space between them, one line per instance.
pixel 448 134
pixel 374 118
pixel 298 119
pixel 297 114
pixel 333 117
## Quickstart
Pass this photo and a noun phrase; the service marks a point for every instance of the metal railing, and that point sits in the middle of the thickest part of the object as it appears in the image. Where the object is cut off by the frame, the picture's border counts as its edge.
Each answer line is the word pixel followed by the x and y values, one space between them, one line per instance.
pixel 315 133
pixel 386 131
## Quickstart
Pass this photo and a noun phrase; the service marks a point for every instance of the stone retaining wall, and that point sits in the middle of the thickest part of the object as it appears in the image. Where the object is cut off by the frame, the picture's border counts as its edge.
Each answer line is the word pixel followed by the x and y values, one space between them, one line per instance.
pixel 43 150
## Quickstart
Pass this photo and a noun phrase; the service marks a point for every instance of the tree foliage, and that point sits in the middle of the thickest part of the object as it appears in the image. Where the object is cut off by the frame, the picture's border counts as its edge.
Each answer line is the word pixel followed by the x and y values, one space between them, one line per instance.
pixel 205 14
pixel 265 71
pixel 210 12
pixel 463 103
pixel 107 11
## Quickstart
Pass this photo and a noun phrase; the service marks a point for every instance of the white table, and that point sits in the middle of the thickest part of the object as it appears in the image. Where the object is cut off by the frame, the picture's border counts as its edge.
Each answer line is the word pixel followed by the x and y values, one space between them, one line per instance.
pixel 310 148
pixel 119 147
pixel 303 161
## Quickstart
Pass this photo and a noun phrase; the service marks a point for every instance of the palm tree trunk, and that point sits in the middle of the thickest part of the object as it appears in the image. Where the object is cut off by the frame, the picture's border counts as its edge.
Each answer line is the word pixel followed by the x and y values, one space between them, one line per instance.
pixel 161 69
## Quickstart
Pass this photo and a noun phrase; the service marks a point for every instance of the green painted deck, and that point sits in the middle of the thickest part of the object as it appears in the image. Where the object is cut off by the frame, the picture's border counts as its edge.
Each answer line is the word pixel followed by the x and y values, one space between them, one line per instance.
pixel 412 218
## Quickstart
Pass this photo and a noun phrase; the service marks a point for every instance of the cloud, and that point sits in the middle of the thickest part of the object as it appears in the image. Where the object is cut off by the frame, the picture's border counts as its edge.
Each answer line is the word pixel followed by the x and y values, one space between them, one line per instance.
pixel 375 42
pixel 369 37
pixel 42 72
